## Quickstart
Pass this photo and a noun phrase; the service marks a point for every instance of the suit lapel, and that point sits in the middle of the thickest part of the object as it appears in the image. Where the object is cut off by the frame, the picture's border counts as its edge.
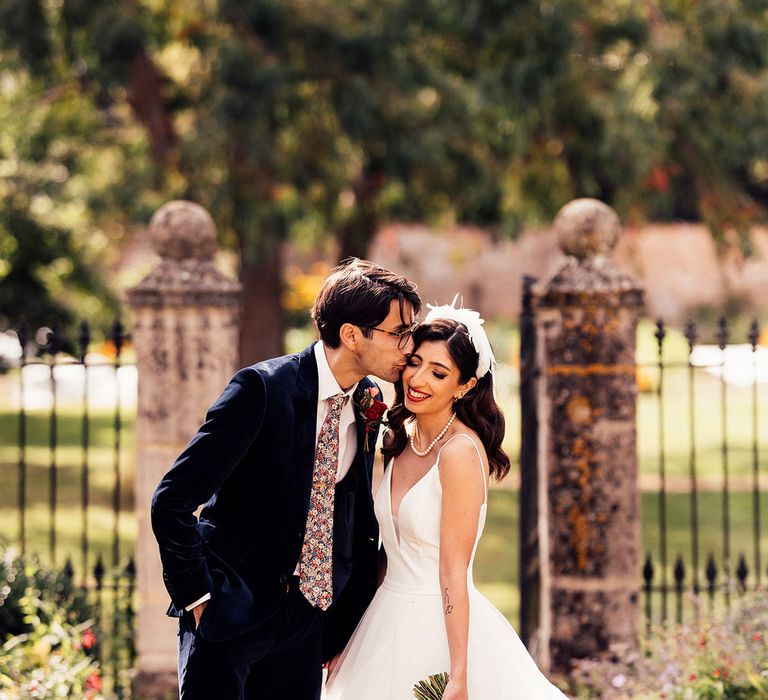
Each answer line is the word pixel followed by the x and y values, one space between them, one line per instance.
pixel 359 421
pixel 363 460
pixel 305 412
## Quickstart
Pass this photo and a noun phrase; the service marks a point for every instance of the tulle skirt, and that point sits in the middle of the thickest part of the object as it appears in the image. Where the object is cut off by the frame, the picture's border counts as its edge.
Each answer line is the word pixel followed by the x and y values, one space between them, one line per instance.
pixel 401 640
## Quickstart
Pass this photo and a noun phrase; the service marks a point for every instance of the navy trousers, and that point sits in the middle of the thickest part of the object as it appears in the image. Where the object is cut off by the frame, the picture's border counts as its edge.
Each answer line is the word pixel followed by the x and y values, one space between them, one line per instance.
pixel 284 665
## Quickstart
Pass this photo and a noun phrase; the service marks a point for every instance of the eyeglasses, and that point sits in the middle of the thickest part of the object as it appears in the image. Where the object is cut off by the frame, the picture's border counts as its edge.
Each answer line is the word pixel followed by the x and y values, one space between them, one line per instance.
pixel 402 336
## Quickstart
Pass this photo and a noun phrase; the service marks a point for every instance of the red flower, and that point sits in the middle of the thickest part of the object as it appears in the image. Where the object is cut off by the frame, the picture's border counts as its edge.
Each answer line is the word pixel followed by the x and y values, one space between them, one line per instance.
pixel 94 681
pixel 757 637
pixel 703 642
pixel 716 673
pixel 375 410
pixel 371 410
pixel 692 677
pixel 89 639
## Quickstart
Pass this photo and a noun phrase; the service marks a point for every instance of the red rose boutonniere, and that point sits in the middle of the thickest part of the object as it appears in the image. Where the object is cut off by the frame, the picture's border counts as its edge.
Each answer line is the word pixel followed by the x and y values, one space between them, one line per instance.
pixel 371 411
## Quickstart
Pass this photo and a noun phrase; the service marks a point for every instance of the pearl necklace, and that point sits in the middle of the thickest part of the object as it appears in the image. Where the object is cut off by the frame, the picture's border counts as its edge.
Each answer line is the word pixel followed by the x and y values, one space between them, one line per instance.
pixel 424 453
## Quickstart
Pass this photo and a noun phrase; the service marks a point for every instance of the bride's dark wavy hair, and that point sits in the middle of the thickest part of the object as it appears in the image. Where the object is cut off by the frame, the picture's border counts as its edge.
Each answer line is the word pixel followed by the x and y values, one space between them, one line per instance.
pixel 478 409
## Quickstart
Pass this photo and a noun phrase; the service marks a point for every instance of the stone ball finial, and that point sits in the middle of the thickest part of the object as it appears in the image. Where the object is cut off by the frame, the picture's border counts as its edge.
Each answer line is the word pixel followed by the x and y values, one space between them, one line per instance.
pixel 587 228
pixel 183 230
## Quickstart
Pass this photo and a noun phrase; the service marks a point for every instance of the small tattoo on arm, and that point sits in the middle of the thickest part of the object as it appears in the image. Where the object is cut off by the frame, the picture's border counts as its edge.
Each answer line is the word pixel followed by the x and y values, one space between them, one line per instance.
pixel 448 606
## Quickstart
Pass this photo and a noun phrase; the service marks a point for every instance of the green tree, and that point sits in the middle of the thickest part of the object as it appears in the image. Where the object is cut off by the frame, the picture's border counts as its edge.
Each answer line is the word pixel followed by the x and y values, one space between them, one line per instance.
pixel 709 66
pixel 318 119
pixel 50 243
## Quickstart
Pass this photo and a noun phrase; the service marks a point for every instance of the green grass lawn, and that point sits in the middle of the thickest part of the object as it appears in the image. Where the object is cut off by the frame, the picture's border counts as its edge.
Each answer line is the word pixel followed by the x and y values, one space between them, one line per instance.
pixel 708 426
pixel 102 457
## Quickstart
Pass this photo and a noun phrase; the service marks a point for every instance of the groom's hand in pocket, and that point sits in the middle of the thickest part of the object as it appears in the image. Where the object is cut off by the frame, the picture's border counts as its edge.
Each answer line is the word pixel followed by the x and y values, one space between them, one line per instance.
pixel 332 664
pixel 197 611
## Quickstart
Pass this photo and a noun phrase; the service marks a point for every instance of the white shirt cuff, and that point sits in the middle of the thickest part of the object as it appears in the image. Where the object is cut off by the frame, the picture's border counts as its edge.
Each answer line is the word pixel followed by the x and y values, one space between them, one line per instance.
pixel 207 596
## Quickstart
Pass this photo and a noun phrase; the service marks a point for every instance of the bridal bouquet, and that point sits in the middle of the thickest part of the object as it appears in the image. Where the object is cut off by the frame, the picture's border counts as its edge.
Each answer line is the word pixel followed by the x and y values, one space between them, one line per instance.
pixel 432 688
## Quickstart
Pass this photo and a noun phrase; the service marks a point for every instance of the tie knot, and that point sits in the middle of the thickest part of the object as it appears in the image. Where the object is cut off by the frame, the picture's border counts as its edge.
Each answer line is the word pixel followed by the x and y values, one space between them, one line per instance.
pixel 337 401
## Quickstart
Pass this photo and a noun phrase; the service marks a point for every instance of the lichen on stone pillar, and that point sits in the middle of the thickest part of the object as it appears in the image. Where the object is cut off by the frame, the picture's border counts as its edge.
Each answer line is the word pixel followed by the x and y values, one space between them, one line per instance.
pixel 585 317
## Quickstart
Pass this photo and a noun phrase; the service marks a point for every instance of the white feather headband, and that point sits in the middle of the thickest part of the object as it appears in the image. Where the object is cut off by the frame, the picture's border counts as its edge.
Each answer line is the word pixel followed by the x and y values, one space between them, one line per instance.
pixel 471 319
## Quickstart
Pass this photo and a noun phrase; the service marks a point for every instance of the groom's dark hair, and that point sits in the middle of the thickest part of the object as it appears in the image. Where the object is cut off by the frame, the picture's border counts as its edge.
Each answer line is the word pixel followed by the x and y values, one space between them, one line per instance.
pixel 360 292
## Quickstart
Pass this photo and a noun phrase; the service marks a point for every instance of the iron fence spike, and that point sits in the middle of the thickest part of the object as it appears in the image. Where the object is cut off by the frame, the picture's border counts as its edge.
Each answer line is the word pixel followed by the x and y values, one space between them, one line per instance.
pixel 679 569
pixel 742 573
pixel 84 340
pixel 55 338
pixel 118 336
pixel 22 333
pixel 691 333
pixel 711 571
pixel 98 571
pixel 723 332
pixel 648 570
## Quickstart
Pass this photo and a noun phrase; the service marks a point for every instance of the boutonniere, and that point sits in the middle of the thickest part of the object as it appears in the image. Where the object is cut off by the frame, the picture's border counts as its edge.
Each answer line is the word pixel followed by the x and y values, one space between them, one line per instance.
pixel 371 410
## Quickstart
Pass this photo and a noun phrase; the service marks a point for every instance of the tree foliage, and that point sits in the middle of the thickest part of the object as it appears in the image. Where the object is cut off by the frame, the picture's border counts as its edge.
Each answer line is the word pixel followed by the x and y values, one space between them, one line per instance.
pixel 710 78
pixel 309 119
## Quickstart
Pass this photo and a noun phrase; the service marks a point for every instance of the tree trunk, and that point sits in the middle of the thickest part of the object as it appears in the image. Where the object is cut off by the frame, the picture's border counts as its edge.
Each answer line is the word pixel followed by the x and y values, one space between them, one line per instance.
pixel 145 95
pixel 354 236
pixel 262 319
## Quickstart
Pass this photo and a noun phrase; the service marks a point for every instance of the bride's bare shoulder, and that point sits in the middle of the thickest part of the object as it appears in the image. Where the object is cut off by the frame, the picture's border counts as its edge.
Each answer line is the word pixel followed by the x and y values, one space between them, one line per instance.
pixel 463 447
pixel 467 432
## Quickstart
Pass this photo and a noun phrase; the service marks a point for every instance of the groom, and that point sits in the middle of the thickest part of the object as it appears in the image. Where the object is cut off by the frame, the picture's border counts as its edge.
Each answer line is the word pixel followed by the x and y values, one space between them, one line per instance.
pixel 273 576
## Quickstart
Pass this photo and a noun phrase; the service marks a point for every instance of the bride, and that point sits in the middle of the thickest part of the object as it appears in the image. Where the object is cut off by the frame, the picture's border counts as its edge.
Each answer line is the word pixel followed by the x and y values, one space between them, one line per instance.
pixel 427 617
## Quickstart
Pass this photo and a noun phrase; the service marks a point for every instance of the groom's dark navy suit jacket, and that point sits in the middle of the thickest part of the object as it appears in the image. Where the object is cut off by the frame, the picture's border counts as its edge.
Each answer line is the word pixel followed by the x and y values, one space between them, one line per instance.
pixel 251 463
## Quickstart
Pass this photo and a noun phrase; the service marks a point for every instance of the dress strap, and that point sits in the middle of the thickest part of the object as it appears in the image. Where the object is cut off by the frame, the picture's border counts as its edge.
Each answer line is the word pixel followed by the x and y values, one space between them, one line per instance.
pixel 479 459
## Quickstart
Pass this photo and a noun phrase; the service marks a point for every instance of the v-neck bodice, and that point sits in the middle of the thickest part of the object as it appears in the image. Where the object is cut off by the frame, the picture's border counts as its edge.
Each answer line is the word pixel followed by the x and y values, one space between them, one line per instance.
pixel 413 554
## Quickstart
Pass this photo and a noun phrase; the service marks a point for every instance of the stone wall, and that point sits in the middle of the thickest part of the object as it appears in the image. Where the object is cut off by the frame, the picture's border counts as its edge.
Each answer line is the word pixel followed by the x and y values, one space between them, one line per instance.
pixel 677 265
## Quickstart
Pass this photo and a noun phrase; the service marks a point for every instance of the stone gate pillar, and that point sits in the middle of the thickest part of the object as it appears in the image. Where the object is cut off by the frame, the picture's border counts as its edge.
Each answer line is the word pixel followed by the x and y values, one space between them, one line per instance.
pixel 186 339
pixel 585 553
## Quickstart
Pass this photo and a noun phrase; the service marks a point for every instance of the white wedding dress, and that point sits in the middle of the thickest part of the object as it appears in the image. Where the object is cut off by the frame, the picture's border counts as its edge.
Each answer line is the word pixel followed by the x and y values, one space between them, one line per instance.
pixel 401 639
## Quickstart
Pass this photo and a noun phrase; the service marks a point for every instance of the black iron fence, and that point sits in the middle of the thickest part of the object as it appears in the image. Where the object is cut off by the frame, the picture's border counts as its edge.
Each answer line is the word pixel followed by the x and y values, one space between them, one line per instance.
pixel 69 473
pixel 702 424
pixel 708 539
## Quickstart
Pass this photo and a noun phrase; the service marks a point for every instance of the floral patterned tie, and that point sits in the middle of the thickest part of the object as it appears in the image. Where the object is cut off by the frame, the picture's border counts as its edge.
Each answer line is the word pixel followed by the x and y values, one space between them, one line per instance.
pixel 316 563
